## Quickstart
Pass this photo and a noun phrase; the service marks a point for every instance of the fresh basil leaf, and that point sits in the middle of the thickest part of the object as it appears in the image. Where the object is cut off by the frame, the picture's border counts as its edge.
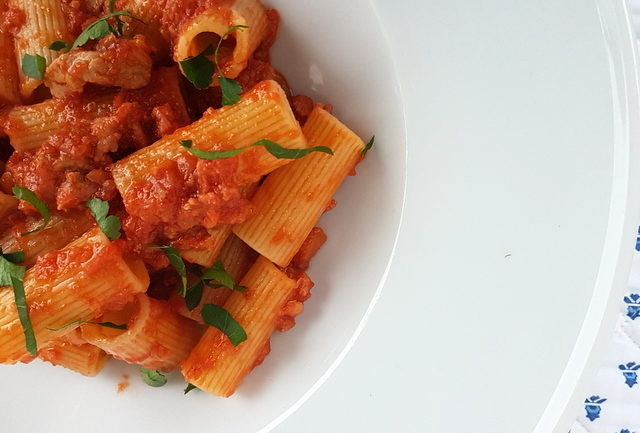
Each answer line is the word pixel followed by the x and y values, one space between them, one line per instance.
pixel 368 146
pixel 176 261
pixel 220 318
pixel 25 194
pixel 15 257
pixel 218 273
pixel 153 377
pixel 59 46
pixel 101 28
pixel 83 322
pixel 199 69
pixel 34 66
pixel 109 224
pixel 12 275
pixel 194 295
pixel 273 148
pixel 231 90
pixel 190 387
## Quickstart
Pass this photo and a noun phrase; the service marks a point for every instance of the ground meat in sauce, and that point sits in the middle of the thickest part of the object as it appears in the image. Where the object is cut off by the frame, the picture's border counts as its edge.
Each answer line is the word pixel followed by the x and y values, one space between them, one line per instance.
pixel 117 62
pixel 73 164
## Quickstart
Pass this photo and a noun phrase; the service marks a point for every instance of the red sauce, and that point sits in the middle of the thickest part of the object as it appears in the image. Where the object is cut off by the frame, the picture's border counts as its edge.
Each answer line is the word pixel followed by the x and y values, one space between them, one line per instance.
pixel 11 19
pixel 123 384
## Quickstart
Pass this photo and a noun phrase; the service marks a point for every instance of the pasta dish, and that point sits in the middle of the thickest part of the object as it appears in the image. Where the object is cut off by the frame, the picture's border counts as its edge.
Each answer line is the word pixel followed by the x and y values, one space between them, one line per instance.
pixel 160 186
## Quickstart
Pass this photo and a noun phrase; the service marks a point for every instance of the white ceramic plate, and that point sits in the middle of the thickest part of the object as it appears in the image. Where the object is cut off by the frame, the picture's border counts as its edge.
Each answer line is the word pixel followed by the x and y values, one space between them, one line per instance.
pixel 517 234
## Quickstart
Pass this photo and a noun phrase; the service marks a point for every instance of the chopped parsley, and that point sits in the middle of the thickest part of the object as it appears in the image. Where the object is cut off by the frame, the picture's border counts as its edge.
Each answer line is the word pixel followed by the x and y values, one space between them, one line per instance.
pixel 34 66
pixel 109 224
pixel 153 377
pixel 273 148
pixel 190 387
pixel 221 319
pixel 25 194
pixel 176 261
pixel 83 322
pixel 102 27
pixel 199 71
pixel 368 146
pixel 11 274
pixel 59 46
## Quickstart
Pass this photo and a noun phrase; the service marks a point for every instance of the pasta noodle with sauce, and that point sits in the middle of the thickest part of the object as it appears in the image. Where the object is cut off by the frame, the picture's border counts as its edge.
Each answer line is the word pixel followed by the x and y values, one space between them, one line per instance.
pixel 160 187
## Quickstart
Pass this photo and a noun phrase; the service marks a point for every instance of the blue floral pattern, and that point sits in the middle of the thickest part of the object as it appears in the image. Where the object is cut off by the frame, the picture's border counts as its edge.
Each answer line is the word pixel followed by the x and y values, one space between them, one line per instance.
pixel 630 373
pixel 633 305
pixel 593 407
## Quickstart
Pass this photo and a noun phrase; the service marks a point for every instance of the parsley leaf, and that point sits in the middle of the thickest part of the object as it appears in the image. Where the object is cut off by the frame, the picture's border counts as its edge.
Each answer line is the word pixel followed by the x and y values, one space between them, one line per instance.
pixel 83 322
pixel 231 90
pixel 34 66
pixel 190 387
pixel 153 377
pixel 101 28
pixel 219 273
pixel 273 148
pixel 12 275
pixel 59 46
pixel 194 295
pixel 199 69
pixel 110 225
pixel 220 318
pixel 25 194
pixel 15 257
pixel 177 262
pixel 368 146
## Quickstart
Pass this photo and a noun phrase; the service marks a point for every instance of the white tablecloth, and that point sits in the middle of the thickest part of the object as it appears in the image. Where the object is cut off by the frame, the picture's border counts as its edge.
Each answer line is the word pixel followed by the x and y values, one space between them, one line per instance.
pixel 613 404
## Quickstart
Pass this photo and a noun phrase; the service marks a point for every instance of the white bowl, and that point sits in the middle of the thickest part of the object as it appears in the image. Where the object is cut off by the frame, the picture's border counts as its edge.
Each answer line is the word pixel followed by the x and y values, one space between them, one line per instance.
pixel 517 236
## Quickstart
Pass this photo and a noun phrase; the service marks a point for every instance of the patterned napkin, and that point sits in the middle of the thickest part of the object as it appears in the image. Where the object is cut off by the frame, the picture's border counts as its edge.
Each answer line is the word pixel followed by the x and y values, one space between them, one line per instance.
pixel 613 404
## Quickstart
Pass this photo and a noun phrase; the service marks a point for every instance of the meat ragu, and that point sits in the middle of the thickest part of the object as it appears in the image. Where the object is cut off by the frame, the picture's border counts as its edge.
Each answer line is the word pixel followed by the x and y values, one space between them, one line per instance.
pixel 160 221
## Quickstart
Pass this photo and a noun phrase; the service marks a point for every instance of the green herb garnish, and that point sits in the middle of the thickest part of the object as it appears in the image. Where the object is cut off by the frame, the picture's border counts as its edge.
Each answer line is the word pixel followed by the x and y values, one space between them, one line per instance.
pixel 190 387
pixel 153 377
pixel 194 295
pixel 34 66
pixel 83 322
pixel 25 194
pixel 59 46
pixel 218 273
pixel 220 318
pixel 231 89
pixel 368 146
pixel 273 148
pixel 102 27
pixel 109 224
pixel 176 261
pixel 12 275
pixel 199 71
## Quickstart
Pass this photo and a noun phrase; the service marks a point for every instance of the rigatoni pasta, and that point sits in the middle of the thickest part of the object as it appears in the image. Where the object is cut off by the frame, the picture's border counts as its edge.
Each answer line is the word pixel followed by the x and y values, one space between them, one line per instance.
pixel 159 188
pixel 155 338
pixel 44 23
pixel 76 283
pixel 9 93
pixel 216 365
pixel 290 201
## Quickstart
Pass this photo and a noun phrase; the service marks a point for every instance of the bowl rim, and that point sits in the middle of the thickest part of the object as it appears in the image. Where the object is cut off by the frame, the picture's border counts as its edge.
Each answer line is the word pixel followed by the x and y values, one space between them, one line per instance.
pixel 617 252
